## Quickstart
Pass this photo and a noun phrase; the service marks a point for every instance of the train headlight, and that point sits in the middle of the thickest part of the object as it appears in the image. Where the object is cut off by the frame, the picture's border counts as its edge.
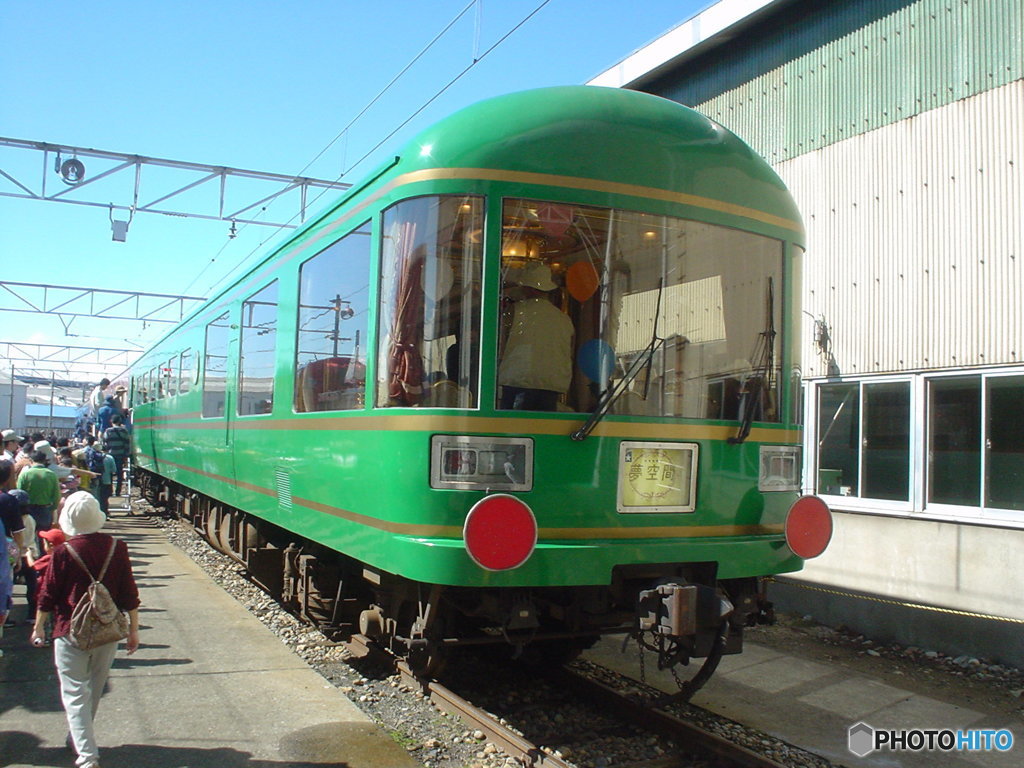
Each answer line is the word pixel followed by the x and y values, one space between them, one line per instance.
pixel 500 532
pixel 779 468
pixel 808 527
pixel 481 463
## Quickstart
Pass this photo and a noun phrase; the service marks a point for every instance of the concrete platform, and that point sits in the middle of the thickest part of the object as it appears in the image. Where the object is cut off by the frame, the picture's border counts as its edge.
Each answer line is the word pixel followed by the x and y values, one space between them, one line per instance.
pixel 211 686
pixel 812 705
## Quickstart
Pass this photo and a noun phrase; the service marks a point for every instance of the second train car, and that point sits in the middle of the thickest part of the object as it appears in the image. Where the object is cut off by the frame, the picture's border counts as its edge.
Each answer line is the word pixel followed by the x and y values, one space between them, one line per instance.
pixel 534 381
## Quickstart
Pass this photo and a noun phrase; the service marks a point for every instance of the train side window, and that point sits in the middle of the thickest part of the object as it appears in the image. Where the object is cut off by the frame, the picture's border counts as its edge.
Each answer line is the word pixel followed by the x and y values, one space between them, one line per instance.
pixel 330 358
pixel 429 353
pixel 157 375
pixel 171 376
pixel 258 352
pixel 185 371
pixel 215 366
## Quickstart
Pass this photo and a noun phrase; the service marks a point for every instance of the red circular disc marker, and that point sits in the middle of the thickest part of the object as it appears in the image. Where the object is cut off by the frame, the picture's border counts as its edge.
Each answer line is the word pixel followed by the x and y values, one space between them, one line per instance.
pixel 808 527
pixel 500 532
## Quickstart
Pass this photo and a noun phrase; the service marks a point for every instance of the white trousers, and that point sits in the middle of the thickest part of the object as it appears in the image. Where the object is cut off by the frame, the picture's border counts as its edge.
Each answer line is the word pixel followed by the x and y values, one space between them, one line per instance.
pixel 82 677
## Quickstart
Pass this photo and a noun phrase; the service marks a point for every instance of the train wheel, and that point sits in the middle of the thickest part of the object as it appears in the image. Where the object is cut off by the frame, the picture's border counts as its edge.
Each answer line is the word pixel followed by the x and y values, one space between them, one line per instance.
pixel 213 521
pixel 224 533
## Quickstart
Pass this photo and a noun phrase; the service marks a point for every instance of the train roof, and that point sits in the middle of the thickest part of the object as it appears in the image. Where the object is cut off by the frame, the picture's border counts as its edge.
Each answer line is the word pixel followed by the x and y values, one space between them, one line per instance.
pixel 618 136
pixel 626 142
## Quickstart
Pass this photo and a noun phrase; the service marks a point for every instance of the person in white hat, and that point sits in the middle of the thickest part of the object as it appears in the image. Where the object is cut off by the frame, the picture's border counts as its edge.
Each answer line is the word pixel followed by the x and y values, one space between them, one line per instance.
pixel 11 441
pixel 83 673
pixel 536 365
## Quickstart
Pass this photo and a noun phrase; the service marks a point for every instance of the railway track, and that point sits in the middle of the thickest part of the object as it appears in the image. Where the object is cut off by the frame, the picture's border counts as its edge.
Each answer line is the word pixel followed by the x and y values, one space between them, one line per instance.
pixel 678 729
pixel 624 708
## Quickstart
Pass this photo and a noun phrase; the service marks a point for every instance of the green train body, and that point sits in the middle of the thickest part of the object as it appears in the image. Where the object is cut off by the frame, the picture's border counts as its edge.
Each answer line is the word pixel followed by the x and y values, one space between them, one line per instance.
pixel 353 404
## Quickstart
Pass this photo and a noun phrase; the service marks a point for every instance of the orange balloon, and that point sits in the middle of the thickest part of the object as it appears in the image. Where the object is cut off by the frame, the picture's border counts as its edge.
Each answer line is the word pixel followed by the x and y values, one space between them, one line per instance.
pixel 582 280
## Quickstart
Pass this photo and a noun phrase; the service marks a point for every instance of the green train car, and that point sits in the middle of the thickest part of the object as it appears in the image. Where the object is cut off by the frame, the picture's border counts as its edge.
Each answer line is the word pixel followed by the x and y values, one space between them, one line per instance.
pixel 534 381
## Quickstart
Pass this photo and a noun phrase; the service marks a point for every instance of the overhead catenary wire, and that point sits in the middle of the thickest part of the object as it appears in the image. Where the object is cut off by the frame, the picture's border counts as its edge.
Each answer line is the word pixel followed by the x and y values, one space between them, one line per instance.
pixel 476 60
pixel 333 141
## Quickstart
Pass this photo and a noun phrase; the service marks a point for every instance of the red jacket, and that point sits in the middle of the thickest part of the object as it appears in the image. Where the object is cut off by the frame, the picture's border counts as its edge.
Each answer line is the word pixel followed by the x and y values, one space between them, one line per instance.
pixel 64 581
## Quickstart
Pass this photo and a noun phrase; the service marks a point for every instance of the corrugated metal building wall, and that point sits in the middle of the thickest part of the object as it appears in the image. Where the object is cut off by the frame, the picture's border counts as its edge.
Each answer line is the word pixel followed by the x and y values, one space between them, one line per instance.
pixel 897 124
pixel 819 72
pixel 916 240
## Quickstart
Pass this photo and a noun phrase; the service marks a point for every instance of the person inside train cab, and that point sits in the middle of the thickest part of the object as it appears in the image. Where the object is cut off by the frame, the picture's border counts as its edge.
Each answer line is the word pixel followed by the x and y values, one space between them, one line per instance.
pixel 536 363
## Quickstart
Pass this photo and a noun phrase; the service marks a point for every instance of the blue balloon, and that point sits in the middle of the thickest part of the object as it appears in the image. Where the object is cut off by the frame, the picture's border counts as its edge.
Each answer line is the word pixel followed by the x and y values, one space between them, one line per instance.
pixel 596 358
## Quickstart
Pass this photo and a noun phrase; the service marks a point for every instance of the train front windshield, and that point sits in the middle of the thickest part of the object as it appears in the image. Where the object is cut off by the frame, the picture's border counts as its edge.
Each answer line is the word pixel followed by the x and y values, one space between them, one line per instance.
pixel 680 318
pixel 699 304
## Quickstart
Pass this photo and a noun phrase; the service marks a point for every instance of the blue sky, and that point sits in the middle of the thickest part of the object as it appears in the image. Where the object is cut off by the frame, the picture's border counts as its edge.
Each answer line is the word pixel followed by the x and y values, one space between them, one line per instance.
pixel 256 85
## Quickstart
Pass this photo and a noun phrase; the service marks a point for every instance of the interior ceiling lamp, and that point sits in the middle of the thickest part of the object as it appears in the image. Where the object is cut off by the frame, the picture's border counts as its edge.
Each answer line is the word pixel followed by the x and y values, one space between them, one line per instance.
pixel 119 227
pixel 71 171
pixel 518 244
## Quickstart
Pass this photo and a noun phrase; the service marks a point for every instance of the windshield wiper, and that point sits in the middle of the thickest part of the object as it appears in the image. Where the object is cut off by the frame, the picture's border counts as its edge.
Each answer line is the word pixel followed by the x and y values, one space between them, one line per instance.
pixel 644 359
pixel 759 381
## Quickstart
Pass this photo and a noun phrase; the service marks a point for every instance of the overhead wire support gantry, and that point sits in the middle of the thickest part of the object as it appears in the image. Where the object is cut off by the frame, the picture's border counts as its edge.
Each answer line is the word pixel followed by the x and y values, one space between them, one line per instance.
pixel 65 162
pixel 72 301
pixel 66 355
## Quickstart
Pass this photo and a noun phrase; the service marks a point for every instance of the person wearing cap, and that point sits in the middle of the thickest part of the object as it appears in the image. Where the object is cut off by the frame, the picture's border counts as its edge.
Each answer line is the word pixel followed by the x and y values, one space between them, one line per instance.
pixel 12 441
pixel 536 365
pixel 52 539
pixel 83 674
pixel 37 565
pixel 42 487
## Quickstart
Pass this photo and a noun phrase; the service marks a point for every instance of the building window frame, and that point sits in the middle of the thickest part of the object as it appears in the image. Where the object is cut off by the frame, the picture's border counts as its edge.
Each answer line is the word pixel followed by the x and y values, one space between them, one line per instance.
pixel 922 429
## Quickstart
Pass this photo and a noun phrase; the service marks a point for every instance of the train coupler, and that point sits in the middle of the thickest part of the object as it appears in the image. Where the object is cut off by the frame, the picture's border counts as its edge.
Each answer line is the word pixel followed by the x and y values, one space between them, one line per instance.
pixel 680 610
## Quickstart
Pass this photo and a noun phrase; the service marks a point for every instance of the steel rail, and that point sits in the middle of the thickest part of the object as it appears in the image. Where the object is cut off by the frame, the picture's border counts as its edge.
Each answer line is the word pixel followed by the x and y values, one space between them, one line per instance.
pixel 512 743
pixel 681 731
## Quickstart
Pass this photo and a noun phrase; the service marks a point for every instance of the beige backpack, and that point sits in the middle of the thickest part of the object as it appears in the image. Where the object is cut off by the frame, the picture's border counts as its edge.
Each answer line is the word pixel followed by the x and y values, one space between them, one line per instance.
pixel 96 619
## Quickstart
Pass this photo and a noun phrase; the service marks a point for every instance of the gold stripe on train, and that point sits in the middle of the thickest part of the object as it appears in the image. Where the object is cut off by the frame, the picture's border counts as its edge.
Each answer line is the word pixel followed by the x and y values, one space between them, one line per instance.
pixel 543 534
pixel 459 424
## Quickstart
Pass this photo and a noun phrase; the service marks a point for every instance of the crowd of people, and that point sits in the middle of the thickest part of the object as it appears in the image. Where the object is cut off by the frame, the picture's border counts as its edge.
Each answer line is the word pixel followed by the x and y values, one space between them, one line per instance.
pixel 54 497
pixel 36 478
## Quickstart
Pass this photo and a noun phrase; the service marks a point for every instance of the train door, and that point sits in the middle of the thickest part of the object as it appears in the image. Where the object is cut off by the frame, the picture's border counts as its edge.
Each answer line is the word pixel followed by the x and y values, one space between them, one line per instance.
pixel 148 442
pixel 227 437
pixel 219 373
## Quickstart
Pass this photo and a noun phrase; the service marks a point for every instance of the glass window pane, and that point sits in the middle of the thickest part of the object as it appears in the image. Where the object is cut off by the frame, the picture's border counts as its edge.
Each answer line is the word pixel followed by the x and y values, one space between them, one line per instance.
pixel 185 382
pixel 330 360
pixel 839 439
pixel 954 441
pixel 631 283
pixel 171 375
pixel 430 303
pixel 215 366
pixel 886 459
pixel 1004 476
pixel 258 353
